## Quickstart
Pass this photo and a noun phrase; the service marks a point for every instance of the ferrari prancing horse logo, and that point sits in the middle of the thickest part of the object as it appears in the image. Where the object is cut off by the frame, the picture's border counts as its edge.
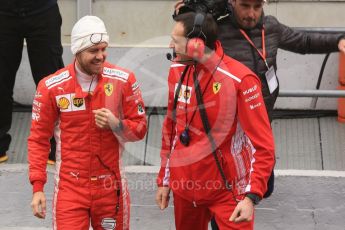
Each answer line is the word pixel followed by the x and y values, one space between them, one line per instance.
pixel 108 89
pixel 216 87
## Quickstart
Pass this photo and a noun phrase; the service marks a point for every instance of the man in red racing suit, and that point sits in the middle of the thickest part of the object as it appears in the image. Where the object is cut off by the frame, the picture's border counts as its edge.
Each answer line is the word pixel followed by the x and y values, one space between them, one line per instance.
pixel 90 122
pixel 239 126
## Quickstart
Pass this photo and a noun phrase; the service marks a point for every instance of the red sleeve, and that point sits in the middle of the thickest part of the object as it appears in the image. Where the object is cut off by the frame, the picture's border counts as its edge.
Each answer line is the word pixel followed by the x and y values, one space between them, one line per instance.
pixel 134 123
pixel 168 132
pixel 44 115
pixel 254 121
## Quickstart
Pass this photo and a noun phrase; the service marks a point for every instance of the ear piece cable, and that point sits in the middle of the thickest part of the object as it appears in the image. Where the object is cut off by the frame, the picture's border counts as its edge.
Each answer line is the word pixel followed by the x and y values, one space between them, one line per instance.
pixel 93 77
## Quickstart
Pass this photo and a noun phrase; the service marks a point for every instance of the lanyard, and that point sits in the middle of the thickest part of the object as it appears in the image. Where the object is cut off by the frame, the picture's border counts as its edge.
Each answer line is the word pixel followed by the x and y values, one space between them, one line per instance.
pixel 263 53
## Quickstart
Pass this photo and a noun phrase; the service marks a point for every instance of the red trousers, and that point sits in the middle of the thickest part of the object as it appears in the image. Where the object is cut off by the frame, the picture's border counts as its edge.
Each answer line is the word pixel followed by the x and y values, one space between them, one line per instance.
pixel 98 202
pixel 187 216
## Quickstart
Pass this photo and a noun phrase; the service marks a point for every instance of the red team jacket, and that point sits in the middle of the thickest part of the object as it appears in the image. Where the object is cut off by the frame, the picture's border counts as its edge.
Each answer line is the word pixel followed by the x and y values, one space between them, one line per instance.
pixel 60 107
pixel 239 124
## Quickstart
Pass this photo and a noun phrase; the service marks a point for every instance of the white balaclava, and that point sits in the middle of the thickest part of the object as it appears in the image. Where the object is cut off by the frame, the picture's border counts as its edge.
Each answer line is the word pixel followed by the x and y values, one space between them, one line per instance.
pixel 88 31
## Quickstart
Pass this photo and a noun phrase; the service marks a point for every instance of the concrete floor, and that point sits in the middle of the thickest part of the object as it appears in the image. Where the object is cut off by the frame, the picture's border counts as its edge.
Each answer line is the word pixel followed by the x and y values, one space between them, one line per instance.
pixel 310 201
pixel 309 190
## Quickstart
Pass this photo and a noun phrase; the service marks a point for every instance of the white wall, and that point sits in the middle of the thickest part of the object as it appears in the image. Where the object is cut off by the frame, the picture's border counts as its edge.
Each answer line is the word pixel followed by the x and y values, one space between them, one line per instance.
pixel 139 35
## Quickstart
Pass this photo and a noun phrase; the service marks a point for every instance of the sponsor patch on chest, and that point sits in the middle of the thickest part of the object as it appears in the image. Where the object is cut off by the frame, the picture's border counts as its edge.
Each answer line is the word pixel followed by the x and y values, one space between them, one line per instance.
pixel 69 103
pixel 185 93
pixel 116 73
pixel 56 80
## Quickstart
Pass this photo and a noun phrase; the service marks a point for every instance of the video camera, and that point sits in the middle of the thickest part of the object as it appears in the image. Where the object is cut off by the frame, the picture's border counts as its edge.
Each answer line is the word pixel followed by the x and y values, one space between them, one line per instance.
pixel 216 8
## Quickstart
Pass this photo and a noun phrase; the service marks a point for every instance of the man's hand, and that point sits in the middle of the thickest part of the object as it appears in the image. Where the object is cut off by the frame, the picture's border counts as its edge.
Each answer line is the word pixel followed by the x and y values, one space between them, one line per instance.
pixel 105 119
pixel 341 45
pixel 162 197
pixel 178 5
pixel 243 211
pixel 38 205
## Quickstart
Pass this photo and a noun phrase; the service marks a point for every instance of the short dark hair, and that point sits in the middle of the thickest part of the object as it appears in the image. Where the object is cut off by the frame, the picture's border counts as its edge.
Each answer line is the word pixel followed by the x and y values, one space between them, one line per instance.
pixel 209 28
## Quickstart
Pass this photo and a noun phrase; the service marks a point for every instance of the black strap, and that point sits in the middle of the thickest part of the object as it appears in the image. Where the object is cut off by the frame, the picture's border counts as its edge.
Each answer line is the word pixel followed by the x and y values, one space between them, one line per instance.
pixel 175 104
pixel 207 129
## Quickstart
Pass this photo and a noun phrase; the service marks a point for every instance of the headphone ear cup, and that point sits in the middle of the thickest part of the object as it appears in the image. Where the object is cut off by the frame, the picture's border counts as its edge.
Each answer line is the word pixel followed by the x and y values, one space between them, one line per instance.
pixel 195 48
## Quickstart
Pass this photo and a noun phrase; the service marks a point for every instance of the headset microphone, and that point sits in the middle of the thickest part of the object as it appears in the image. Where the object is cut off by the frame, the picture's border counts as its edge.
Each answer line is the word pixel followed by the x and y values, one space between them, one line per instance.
pixel 169 56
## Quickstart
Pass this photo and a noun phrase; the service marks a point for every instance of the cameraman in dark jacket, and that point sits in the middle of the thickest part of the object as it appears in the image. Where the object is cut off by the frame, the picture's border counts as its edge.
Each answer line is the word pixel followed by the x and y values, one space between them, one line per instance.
pixel 248 15
pixel 252 38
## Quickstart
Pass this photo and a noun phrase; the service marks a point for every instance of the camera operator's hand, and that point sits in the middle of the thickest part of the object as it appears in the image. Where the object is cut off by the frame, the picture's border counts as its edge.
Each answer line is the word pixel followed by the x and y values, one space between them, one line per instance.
pixel 178 5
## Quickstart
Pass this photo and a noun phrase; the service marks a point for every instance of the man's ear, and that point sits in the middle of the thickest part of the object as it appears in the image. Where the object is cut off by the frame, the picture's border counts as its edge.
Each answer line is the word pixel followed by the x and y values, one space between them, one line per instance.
pixel 77 57
pixel 232 2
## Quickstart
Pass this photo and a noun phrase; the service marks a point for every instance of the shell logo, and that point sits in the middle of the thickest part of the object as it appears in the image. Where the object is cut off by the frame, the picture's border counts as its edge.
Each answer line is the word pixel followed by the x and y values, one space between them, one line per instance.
pixel 63 103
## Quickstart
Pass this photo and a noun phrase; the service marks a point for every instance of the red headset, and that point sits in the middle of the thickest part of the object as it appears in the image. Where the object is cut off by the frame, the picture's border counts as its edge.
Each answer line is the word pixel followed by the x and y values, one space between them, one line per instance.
pixel 196 46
